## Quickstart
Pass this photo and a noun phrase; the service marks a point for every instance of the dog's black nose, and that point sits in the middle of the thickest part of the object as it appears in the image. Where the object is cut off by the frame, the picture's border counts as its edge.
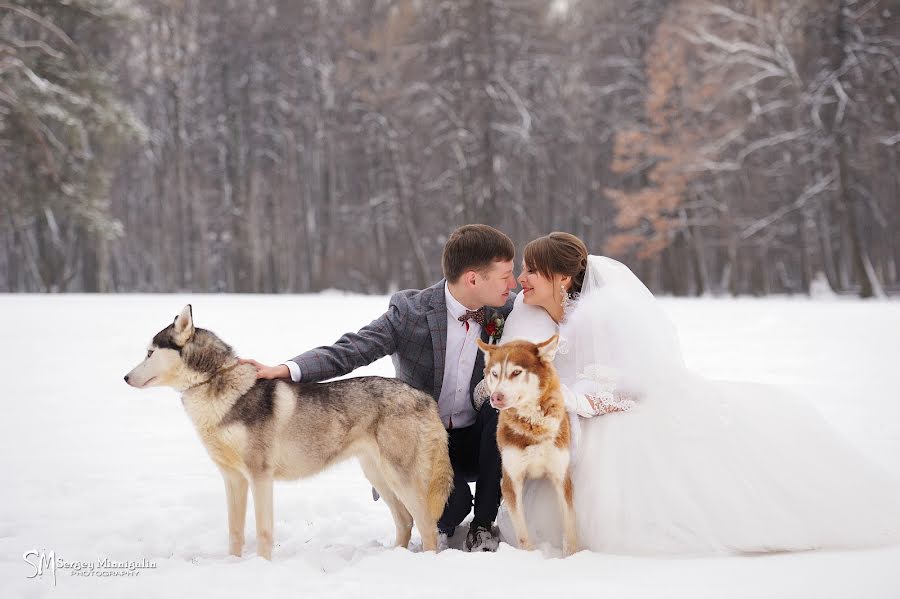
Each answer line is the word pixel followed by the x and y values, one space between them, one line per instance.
pixel 126 378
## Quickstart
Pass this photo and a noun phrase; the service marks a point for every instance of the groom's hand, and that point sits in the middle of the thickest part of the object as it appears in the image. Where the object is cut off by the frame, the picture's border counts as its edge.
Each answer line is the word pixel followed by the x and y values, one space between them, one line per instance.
pixel 268 372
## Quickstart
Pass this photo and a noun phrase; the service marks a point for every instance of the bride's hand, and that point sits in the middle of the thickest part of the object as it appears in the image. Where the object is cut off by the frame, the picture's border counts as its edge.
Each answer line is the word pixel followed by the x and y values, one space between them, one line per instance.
pixel 606 403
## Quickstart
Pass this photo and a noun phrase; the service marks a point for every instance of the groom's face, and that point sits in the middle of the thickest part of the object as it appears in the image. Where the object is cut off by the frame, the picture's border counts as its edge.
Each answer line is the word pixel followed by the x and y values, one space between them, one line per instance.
pixel 493 285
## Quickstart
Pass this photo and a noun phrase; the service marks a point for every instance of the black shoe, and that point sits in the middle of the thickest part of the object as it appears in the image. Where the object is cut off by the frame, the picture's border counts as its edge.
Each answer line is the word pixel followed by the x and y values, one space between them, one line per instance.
pixel 448 532
pixel 481 538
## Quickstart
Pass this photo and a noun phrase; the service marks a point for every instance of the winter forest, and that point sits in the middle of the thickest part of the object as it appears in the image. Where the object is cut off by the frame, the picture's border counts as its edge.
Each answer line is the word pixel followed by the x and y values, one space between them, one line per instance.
pixel 286 146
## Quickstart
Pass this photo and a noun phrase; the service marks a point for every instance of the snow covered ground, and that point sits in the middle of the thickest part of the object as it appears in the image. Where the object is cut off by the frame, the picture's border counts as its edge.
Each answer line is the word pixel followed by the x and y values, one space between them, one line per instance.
pixel 94 469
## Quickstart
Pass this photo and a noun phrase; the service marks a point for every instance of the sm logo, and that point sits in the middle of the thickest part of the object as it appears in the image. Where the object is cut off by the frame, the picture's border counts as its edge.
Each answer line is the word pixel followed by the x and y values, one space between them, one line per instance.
pixel 41 562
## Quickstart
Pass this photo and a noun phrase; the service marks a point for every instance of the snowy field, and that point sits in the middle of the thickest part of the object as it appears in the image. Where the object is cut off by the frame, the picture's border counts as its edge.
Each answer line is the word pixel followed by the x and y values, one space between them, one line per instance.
pixel 94 469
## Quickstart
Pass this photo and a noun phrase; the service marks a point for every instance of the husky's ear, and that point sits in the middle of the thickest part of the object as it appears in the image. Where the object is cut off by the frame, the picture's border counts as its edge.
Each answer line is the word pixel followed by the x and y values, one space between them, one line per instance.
pixel 184 325
pixel 547 349
pixel 486 348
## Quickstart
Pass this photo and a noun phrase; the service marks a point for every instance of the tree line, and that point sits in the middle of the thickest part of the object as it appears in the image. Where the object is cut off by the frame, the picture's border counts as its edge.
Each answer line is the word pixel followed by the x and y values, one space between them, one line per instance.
pixel 743 146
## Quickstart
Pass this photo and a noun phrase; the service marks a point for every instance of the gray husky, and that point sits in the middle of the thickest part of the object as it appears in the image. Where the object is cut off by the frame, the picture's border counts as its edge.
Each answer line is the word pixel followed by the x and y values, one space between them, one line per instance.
pixel 257 431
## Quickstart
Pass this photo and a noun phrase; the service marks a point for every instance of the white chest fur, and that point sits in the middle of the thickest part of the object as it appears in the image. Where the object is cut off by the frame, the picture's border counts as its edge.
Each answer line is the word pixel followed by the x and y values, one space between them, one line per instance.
pixel 535 461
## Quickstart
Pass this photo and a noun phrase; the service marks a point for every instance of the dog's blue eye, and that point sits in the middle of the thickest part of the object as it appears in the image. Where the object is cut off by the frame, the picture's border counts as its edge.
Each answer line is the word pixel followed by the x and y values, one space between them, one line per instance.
pixel 516 373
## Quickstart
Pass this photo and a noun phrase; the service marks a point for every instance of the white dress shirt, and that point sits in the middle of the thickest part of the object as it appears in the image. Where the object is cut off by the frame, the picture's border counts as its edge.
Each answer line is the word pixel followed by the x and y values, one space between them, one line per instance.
pixel 454 404
pixel 294 369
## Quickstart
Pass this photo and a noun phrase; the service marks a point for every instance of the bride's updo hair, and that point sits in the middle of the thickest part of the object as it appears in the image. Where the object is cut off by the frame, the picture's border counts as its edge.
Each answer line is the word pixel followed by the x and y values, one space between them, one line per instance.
pixel 558 254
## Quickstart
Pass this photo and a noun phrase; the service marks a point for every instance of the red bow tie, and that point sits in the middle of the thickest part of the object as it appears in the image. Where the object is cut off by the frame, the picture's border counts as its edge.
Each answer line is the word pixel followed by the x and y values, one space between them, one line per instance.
pixel 476 315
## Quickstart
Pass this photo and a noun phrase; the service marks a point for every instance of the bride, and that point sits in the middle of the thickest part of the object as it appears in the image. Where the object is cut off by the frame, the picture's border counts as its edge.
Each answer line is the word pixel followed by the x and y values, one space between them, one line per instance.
pixel 666 461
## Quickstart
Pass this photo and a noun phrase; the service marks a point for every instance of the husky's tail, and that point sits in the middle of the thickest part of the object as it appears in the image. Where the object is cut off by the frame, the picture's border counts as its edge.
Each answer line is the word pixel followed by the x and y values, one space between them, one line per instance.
pixel 441 481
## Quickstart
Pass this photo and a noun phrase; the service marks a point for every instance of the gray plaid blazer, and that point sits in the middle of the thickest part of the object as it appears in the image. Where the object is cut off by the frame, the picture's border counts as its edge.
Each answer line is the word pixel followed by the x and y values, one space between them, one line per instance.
pixel 413 332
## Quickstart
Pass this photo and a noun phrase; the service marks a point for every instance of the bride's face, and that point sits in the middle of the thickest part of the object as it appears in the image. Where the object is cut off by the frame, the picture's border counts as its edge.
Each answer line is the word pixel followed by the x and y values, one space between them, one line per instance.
pixel 537 290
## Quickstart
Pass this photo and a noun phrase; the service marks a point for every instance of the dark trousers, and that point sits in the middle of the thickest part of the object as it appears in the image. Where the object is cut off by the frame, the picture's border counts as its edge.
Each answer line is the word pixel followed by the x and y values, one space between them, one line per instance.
pixel 475 458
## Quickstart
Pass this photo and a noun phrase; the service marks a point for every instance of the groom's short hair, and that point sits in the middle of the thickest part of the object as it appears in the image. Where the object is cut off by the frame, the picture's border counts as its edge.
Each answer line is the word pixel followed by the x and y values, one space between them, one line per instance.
pixel 475 247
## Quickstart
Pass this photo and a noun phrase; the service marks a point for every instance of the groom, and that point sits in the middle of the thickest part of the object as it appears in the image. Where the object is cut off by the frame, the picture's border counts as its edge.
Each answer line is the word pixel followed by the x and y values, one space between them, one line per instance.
pixel 431 335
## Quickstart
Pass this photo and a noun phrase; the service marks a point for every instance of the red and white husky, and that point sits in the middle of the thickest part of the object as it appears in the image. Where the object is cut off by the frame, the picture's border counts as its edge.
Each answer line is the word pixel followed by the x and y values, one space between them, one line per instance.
pixel 533 427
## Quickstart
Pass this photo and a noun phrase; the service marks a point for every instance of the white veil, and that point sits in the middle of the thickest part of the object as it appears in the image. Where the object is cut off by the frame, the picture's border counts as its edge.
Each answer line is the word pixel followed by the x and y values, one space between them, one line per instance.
pixel 619 329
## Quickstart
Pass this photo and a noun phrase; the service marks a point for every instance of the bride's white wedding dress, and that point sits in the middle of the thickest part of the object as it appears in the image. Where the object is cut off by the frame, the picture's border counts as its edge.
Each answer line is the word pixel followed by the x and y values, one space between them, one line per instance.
pixel 694 466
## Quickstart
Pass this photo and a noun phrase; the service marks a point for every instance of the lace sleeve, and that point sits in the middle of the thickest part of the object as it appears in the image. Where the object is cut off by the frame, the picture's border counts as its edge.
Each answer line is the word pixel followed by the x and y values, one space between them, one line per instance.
pixel 597 393
pixel 480 395
pixel 606 403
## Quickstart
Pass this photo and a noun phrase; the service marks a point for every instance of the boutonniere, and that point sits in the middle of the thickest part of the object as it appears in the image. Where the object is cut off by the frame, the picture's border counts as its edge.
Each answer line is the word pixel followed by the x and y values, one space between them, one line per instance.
pixel 494 328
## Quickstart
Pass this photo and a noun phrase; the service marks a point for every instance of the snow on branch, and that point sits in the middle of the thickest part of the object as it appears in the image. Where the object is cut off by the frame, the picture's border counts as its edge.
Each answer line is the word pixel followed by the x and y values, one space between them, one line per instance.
pixel 811 191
